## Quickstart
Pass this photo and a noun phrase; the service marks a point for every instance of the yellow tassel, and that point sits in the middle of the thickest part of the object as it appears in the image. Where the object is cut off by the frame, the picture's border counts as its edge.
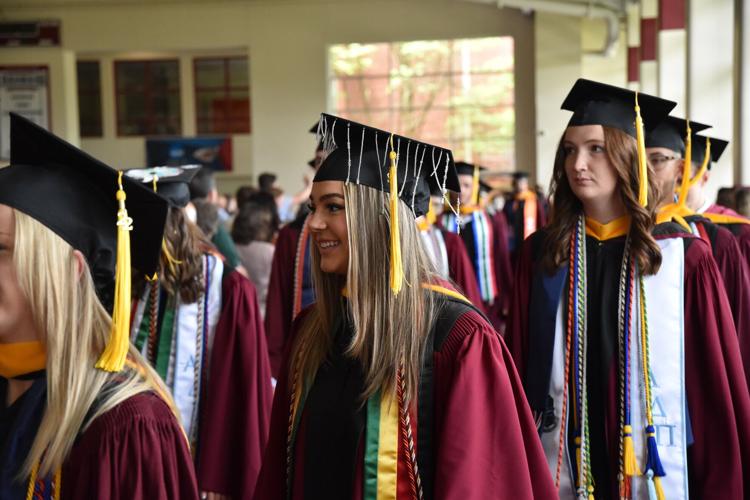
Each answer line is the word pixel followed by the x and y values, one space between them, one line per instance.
pixel 475 188
pixel 591 492
pixel 642 162
pixel 704 165
pixel 116 350
pixel 397 271
pixel 685 184
pixel 628 452
pixel 659 489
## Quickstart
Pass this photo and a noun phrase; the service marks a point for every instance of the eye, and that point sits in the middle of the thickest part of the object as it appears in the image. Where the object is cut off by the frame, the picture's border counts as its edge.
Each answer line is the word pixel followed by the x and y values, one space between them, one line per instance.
pixel 311 207
pixel 568 150
pixel 597 148
pixel 334 207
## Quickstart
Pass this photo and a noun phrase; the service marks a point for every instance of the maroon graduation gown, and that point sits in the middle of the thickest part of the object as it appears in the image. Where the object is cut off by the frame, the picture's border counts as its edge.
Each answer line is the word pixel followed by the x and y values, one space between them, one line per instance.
pixel 733 267
pixel 717 393
pixel 280 297
pixel 460 269
pixel 137 450
pixel 486 444
pixel 236 410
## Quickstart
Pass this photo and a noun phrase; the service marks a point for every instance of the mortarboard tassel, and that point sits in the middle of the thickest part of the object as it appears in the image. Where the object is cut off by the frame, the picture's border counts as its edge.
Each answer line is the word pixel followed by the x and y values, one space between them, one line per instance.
pixel 397 271
pixel 642 165
pixel 116 350
pixel 685 184
pixel 628 452
pixel 475 188
pixel 704 165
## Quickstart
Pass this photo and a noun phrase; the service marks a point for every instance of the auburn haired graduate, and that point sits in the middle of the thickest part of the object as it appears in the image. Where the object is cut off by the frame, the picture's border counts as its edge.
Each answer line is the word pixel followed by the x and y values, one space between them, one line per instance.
pixel 625 340
pixel 82 415
pixel 200 327
pixel 394 385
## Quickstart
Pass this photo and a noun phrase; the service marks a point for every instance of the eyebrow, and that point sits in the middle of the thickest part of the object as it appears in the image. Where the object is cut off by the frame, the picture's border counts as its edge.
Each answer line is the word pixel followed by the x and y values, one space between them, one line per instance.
pixel 568 141
pixel 327 196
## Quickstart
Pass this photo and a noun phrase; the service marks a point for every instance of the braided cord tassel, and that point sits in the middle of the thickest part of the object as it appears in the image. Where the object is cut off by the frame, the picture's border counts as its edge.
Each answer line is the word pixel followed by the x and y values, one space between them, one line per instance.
pixel 654 468
pixel 568 343
pixel 407 438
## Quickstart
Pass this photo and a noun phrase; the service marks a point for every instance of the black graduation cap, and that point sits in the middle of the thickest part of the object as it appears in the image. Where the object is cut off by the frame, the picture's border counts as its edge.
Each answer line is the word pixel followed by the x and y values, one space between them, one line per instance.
pixel 171 183
pixel 595 103
pixel 73 194
pixel 311 163
pixel 360 154
pixel 671 133
pixel 464 168
pixel 699 149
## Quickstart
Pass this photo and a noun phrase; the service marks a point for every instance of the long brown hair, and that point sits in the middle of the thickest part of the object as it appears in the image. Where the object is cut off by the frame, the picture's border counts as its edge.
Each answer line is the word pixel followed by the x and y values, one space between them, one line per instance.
pixel 388 330
pixel 565 207
pixel 181 261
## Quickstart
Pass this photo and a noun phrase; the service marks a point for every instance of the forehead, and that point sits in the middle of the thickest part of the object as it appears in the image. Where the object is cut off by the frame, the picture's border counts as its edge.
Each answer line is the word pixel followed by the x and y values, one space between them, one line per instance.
pixel 322 188
pixel 7 220
pixel 584 133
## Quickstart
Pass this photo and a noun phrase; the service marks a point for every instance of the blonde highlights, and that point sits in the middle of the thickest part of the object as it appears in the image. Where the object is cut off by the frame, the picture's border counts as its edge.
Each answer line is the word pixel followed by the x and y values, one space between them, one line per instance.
pixel 388 330
pixel 74 327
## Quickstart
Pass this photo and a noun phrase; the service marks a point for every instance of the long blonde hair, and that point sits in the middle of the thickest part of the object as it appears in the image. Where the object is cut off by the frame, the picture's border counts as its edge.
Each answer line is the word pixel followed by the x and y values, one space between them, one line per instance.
pixel 74 326
pixel 388 329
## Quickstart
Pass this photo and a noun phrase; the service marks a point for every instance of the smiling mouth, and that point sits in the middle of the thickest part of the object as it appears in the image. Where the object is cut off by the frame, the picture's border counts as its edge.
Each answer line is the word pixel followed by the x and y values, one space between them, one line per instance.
pixel 326 245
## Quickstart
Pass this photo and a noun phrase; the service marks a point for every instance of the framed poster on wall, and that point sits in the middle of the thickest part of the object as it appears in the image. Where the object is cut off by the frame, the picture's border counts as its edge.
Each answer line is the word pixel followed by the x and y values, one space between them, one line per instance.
pixel 212 152
pixel 23 90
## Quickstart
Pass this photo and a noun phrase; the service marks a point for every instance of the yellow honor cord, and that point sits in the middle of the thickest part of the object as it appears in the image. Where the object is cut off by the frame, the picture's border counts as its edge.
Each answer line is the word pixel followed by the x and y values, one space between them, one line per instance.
pixel 116 350
pixel 475 188
pixel 642 162
pixel 704 165
pixel 397 272
pixel 685 184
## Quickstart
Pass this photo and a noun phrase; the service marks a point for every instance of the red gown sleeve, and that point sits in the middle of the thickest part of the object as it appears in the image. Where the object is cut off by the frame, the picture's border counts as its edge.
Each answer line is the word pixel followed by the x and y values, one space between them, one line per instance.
pixel 235 414
pixel 461 270
pixel 717 393
pixel 516 331
pixel 280 295
pixel 733 267
pixel 486 440
pixel 137 450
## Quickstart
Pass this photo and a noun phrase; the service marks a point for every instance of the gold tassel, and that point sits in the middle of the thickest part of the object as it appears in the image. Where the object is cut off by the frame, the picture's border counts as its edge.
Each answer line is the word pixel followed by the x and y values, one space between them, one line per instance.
pixel 642 162
pixel 685 184
pixel 628 452
pixel 116 350
pixel 704 165
pixel 397 271
pixel 475 188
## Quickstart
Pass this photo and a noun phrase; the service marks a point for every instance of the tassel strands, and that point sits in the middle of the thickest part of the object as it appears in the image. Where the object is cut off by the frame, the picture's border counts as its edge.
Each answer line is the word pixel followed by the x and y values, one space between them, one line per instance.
pixel 642 162
pixel 704 165
pixel 686 165
pixel 397 272
pixel 116 350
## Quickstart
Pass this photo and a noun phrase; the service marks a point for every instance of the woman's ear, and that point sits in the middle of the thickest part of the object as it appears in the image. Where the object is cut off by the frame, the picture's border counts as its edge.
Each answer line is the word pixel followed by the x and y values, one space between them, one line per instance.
pixel 80 262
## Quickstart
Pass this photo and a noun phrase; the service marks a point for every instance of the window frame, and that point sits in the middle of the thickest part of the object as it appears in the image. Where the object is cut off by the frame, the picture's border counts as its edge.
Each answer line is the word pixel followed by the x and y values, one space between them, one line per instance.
pixel 227 89
pixel 89 92
pixel 147 96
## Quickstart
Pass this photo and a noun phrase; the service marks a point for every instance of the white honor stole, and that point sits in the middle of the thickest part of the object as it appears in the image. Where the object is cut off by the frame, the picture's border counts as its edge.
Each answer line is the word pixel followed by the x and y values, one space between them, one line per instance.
pixel 665 307
pixel 187 359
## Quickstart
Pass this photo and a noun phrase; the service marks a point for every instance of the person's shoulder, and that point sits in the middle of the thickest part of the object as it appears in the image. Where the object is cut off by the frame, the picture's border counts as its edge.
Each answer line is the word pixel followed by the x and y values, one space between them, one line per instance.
pixel 142 409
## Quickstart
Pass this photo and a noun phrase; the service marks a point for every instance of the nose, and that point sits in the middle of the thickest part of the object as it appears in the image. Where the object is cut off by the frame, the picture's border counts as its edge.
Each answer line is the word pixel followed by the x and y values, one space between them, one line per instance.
pixel 316 222
pixel 580 161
